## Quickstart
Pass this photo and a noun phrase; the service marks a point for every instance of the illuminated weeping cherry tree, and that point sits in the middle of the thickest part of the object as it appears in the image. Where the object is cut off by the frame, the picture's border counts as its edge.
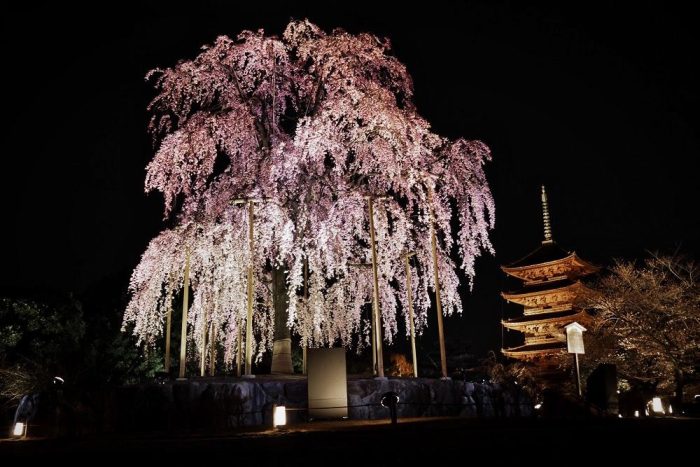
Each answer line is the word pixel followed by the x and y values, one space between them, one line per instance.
pixel 316 128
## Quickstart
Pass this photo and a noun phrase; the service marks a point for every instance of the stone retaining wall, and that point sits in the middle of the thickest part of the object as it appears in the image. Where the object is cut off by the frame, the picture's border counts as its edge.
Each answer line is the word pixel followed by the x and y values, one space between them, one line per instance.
pixel 223 404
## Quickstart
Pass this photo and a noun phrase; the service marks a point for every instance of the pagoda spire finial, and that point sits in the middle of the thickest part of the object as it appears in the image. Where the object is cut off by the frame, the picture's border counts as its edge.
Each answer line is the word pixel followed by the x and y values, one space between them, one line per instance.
pixel 545 217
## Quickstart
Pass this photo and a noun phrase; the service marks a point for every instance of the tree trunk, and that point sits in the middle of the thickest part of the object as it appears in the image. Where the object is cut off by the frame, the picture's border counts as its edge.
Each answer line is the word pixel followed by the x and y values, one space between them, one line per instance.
pixel 680 382
pixel 282 345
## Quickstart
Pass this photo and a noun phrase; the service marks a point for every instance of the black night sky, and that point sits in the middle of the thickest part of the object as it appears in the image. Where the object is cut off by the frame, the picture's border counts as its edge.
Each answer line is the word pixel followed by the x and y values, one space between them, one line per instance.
pixel 597 102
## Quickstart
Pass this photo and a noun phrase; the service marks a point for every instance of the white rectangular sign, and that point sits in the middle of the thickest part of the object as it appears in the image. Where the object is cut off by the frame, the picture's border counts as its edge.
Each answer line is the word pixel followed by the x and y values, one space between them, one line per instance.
pixel 327 383
pixel 574 340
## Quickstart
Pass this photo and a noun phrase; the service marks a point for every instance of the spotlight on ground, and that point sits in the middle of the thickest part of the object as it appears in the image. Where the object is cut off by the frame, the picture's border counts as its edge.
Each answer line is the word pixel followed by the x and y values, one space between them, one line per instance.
pixel 19 430
pixel 279 416
pixel 656 405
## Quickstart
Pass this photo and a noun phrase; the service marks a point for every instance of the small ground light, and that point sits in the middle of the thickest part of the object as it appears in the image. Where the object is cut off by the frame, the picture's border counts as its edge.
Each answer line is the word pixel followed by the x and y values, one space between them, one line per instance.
pixel 19 430
pixel 389 400
pixel 656 405
pixel 636 413
pixel 619 415
pixel 279 416
pixel 538 406
pixel 670 409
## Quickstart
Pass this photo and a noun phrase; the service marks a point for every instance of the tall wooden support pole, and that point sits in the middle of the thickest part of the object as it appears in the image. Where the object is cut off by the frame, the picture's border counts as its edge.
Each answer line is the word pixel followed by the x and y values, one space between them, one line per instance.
pixel 409 290
pixel 438 301
pixel 306 303
pixel 168 326
pixel 303 363
pixel 373 334
pixel 185 309
pixel 578 375
pixel 375 308
pixel 203 350
pixel 239 354
pixel 249 317
pixel 212 345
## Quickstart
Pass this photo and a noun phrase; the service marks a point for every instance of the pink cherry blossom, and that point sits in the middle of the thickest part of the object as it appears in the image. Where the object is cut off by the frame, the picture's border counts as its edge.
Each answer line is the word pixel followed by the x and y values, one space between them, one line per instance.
pixel 309 125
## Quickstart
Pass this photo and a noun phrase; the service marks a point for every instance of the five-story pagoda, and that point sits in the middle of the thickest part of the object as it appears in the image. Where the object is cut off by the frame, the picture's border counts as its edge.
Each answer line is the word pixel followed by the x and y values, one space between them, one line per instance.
pixel 551 281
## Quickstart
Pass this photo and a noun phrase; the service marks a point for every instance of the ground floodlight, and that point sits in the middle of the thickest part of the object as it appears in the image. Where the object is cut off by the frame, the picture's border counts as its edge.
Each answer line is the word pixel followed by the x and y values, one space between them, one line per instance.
pixel 279 416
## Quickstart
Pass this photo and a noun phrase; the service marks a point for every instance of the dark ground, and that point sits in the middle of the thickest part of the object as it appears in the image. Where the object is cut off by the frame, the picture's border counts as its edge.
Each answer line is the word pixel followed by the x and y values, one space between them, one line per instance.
pixel 461 441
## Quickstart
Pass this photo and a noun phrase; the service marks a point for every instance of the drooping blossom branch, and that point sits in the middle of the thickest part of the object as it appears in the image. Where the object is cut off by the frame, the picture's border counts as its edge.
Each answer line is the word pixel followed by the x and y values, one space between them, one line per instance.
pixel 310 124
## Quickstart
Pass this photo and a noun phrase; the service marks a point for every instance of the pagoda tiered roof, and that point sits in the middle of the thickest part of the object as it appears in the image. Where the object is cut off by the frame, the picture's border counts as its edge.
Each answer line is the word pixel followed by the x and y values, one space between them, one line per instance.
pixel 566 316
pixel 531 350
pixel 542 287
pixel 547 252
pixel 549 261
pixel 544 296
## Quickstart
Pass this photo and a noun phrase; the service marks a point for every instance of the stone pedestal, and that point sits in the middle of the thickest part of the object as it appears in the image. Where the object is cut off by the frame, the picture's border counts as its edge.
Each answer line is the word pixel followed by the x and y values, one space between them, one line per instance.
pixel 282 357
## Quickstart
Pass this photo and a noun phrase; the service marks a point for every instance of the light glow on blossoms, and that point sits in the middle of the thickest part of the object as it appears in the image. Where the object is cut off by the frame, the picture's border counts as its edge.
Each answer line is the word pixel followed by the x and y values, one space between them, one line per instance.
pixel 310 123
